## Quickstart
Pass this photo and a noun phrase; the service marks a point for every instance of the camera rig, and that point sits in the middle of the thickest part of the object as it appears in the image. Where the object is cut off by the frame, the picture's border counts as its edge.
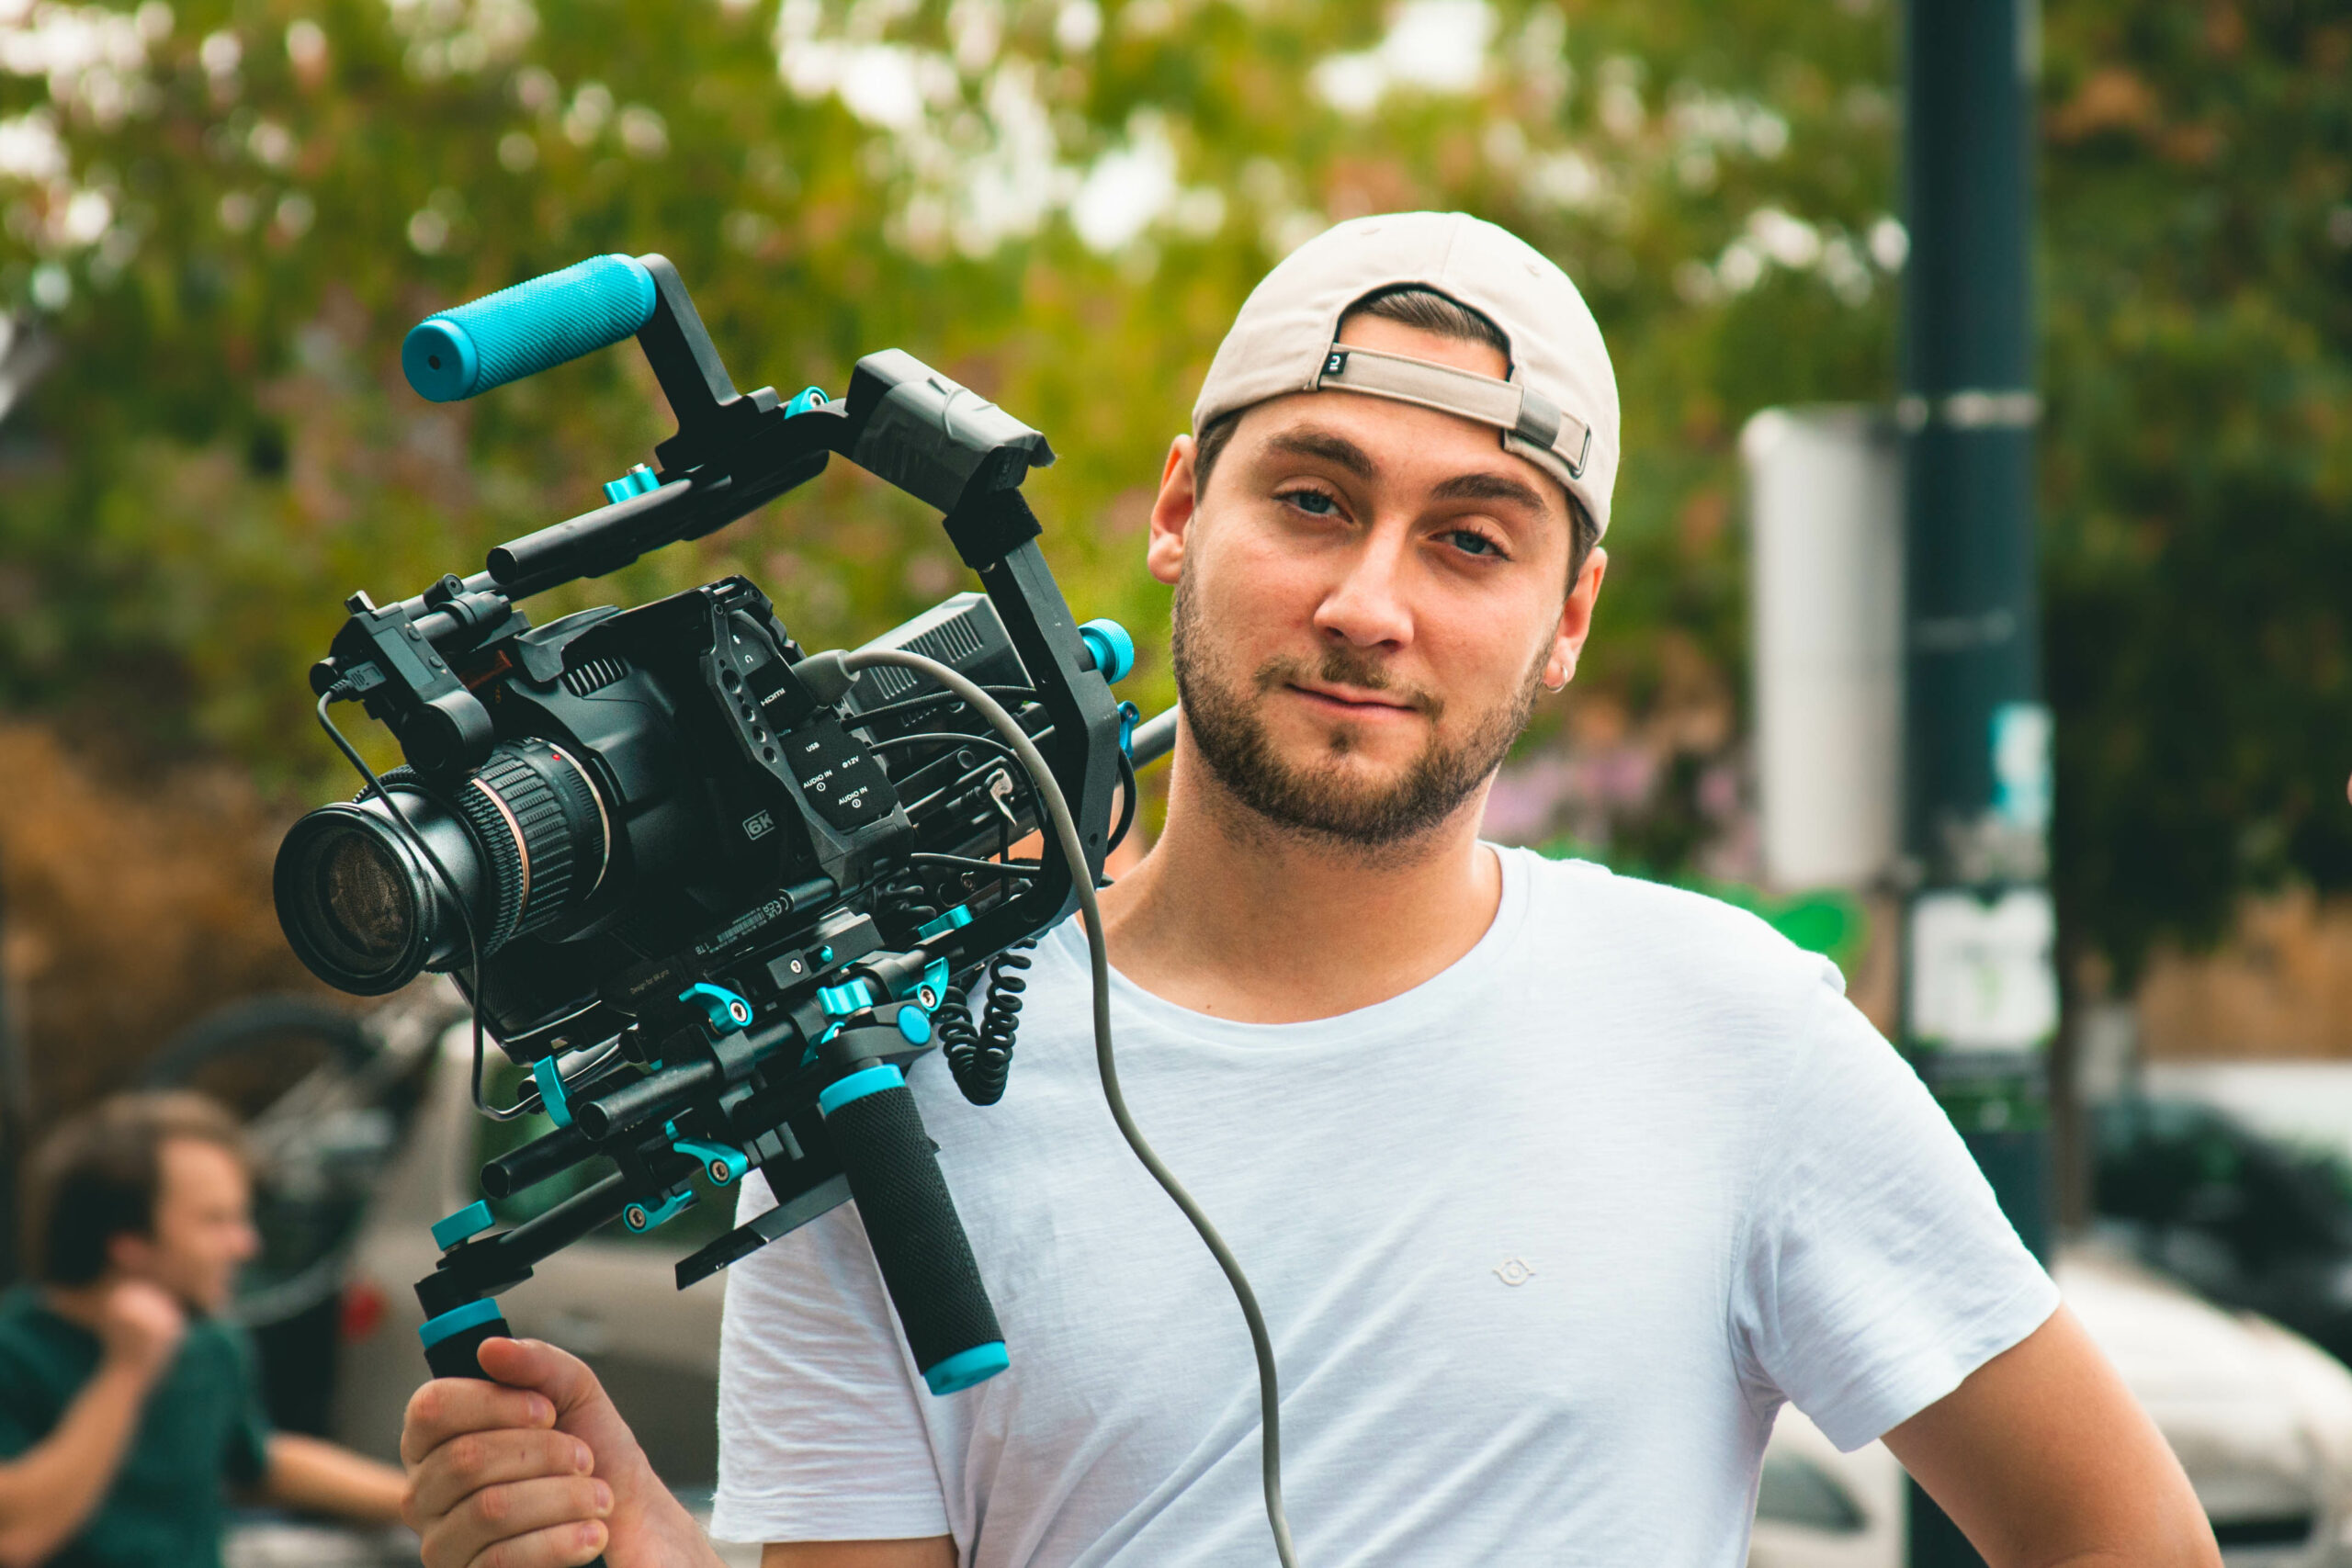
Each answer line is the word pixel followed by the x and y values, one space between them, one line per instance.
pixel 713 892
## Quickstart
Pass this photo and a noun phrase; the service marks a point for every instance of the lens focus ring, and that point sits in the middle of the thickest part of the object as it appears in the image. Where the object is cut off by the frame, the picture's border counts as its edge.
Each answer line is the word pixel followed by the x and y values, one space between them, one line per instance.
pixel 544 827
pixel 504 852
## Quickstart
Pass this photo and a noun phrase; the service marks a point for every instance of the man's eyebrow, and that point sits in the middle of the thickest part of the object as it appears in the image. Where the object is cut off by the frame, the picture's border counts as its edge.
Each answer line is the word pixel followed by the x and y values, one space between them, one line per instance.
pixel 1493 487
pixel 1329 445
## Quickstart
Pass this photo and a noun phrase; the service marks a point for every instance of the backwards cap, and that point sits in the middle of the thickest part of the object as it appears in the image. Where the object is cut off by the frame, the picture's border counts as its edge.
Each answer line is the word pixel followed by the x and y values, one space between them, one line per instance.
pixel 1558 410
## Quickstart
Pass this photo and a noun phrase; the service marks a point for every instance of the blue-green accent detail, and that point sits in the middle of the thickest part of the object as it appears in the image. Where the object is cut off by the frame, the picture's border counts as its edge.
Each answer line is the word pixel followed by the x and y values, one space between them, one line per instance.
pixel 456 1320
pixel 659 1214
pixel 965 1368
pixel 551 1095
pixel 954 919
pixel 521 330
pixel 638 480
pixel 857 1086
pixel 469 1220
pixel 1113 649
pixel 729 1160
pixel 839 1001
pixel 806 399
pixel 438 358
pixel 825 953
pixel 915 1024
pixel 934 974
pixel 722 1009
pixel 1128 715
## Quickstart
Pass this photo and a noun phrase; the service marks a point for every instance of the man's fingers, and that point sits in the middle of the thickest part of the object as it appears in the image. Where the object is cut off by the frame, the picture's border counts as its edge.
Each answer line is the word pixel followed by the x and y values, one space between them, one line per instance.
pixel 520 1524
pixel 448 1406
pixel 471 1461
pixel 560 1546
pixel 536 1364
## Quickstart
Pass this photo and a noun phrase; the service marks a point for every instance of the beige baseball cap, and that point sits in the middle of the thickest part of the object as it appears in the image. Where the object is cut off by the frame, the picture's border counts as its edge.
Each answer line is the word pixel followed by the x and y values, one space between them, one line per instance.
pixel 1558 410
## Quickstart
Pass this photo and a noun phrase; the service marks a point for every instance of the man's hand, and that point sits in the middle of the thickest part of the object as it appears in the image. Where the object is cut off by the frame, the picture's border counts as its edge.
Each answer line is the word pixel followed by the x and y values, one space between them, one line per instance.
pixel 141 1327
pixel 538 1466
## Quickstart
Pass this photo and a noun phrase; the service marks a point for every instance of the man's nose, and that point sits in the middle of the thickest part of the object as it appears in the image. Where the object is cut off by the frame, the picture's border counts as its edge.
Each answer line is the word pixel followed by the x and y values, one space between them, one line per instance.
pixel 1367 605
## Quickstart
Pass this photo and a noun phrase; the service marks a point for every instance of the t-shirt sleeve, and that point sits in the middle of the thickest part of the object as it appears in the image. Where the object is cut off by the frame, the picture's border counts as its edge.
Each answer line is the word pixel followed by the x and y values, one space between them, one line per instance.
pixel 1876 1271
pixel 821 1436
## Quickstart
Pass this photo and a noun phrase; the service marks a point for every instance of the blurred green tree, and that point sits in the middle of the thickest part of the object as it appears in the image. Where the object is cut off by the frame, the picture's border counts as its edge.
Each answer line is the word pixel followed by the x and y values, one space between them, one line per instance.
pixel 226 214
pixel 2197 461
pixel 222 216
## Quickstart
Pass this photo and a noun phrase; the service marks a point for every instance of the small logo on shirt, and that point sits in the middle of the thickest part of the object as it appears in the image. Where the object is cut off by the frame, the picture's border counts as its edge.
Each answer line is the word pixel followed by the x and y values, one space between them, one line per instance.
pixel 1514 1271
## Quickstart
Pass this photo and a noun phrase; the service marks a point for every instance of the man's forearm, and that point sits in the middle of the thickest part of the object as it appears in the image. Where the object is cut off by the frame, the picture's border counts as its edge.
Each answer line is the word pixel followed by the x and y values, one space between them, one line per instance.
pixel 48 1492
pixel 318 1476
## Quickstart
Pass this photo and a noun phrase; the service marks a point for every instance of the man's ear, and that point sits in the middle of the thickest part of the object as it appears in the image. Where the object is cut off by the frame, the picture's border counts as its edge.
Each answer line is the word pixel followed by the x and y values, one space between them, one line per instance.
pixel 1576 621
pixel 1171 513
pixel 129 1253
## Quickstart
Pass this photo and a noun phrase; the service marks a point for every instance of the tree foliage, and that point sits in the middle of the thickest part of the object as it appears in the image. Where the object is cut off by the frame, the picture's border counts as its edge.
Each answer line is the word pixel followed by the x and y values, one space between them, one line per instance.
pixel 224 213
pixel 2198 474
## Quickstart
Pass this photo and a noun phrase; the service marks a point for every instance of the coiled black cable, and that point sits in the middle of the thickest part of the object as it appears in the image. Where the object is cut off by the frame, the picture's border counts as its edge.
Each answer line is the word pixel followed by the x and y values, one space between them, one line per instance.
pixel 980 1055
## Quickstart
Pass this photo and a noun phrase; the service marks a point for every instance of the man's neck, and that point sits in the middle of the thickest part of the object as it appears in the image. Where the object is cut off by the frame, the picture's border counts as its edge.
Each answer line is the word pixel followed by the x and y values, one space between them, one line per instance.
pixel 1233 916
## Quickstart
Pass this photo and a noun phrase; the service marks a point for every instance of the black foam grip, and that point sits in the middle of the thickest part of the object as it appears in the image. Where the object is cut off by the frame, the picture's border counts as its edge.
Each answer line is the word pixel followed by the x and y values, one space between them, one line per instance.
pixel 926 1259
pixel 454 1357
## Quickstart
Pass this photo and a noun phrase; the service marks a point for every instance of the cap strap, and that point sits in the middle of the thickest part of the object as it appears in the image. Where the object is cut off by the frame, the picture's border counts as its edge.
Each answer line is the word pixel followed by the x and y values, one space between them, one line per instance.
pixel 1532 427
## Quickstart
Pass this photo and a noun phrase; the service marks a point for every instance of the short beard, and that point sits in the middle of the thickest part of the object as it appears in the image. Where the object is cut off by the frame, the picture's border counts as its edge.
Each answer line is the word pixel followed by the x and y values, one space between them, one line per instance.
pixel 1318 803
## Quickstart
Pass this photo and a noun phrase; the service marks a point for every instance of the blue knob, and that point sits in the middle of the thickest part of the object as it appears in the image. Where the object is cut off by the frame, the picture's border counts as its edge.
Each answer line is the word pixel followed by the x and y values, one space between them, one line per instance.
pixel 1113 649
pixel 724 1011
pixel 803 400
pixel 636 482
pixel 469 1220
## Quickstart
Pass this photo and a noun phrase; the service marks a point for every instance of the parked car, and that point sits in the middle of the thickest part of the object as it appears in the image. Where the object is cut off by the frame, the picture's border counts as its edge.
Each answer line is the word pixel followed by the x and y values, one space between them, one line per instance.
pixel 2261 1419
pixel 2240 1214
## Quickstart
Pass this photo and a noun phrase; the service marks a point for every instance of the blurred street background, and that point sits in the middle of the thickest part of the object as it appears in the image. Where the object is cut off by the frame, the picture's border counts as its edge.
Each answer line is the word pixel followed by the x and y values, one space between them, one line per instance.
pixel 221 215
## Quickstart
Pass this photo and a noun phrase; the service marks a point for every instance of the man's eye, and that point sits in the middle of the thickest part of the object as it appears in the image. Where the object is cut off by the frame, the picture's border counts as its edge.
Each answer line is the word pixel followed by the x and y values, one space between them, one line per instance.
pixel 1314 502
pixel 1472 543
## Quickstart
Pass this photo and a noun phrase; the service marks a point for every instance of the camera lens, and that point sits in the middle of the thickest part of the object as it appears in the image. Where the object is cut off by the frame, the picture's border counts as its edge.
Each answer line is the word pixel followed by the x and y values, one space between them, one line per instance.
pixel 360 908
pixel 360 892
pixel 524 838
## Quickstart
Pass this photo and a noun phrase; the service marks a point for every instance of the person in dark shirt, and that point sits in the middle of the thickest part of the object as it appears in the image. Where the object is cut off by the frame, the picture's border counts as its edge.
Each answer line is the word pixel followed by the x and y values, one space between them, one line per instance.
pixel 128 1409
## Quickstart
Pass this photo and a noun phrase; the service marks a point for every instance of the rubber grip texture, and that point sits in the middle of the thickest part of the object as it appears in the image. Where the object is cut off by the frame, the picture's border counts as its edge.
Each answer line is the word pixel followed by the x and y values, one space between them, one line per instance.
pixel 521 330
pixel 926 1259
pixel 454 1357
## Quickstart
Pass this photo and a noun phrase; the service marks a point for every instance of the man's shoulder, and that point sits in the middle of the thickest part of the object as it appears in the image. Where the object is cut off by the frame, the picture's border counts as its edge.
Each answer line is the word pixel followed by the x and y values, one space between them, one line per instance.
pixel 1658 926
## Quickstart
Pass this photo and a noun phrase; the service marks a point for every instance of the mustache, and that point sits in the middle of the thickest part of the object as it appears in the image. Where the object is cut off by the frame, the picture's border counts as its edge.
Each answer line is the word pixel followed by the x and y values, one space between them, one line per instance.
pixel 1345 666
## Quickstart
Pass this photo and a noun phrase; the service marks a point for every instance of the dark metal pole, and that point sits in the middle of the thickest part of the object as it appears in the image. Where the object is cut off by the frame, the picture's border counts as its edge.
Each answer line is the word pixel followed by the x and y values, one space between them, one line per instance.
pixel 1980 1004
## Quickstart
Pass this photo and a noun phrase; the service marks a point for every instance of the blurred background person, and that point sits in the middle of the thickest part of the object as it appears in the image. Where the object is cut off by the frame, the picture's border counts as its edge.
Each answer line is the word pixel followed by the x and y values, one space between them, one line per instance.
pixel 128 1409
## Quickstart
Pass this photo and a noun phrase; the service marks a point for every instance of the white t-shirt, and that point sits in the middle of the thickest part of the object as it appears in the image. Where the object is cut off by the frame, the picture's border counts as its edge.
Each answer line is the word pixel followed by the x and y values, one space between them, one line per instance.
pixel 1542 1245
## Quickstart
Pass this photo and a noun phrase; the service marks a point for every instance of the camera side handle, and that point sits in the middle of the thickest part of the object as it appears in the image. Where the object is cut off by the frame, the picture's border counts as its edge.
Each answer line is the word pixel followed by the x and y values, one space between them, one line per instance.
pixel 451 1355
pixel 520 331
pixel 911 1223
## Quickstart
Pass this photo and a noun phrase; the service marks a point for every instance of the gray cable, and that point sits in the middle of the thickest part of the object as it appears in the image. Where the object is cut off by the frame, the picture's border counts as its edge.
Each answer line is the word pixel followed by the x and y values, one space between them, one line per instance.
pixel 1106 1065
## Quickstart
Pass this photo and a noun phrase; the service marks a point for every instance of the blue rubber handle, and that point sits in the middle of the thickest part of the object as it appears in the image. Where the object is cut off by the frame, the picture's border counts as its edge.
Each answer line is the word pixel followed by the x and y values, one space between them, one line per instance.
pixel 522 331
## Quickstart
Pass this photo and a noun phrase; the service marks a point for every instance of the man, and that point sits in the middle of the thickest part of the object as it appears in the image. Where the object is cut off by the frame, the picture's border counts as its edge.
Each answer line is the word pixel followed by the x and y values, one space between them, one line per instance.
pixel 1552 1185
pixel 126 1407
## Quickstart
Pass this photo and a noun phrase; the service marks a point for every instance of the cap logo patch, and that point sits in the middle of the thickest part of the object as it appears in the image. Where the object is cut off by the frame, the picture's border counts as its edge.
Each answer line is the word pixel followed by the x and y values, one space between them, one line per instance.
pixel 1335 362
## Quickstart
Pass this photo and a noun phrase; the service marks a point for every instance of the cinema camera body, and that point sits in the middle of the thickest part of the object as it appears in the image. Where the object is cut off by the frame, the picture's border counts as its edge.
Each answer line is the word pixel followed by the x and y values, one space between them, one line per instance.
pixel 713 892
